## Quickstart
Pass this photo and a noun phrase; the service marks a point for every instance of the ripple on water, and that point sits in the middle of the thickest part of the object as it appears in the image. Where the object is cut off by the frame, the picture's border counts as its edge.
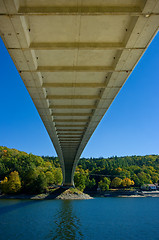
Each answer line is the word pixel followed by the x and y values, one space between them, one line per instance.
pixel 100 218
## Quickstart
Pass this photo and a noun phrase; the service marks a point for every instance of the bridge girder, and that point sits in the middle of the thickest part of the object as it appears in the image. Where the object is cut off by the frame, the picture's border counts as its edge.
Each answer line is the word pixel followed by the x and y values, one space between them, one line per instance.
pixel 74 57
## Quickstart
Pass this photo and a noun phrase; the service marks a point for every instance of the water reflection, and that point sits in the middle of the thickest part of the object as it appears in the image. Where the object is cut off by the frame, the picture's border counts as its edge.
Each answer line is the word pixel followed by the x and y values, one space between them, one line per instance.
pixel 67 224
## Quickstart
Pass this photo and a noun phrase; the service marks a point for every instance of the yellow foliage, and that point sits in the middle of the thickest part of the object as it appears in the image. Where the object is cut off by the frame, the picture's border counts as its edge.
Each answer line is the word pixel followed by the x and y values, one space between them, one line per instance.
pixel 87 171
pixel 5 180
pixel 12 185
pixel 126 182
pixel 4 185
pixel 119 169
pixel 132 183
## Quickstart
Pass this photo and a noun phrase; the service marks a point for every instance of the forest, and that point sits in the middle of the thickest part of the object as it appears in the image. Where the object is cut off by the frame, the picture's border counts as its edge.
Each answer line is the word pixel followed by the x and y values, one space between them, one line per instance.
pixel 27 173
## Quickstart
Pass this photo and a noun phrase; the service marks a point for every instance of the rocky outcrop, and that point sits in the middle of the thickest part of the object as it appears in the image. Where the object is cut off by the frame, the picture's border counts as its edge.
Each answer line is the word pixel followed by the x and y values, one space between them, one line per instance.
pixel 68 195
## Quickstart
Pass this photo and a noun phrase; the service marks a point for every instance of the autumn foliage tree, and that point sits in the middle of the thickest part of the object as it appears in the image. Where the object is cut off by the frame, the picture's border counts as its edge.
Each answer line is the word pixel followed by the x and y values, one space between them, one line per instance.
pixel 39 174
pixel 126 182
pixel 13 185
pixel 4 185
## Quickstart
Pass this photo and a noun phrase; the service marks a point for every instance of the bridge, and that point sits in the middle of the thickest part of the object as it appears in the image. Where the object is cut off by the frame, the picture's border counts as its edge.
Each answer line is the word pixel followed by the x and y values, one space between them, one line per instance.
pixel 74 57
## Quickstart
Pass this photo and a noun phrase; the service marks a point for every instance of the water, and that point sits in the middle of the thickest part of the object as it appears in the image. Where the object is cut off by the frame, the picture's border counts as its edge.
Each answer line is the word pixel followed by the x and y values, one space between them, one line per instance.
pixel 100 218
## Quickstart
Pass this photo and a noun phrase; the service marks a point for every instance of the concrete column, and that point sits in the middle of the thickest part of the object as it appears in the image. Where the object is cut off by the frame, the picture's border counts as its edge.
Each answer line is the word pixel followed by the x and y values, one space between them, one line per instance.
pixel 69 175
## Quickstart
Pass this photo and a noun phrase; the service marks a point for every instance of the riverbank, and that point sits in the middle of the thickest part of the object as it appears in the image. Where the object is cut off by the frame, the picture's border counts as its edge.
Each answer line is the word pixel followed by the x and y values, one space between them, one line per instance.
pixel 126 193
pixel 59 193
pixel 75 194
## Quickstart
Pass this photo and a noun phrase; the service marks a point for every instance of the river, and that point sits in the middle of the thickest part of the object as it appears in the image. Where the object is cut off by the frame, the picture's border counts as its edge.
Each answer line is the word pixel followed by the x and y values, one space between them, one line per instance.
pixel 99 218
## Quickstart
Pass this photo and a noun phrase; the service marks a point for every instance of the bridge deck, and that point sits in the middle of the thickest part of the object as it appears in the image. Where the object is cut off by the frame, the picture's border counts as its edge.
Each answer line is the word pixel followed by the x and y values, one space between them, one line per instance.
pixel 74 57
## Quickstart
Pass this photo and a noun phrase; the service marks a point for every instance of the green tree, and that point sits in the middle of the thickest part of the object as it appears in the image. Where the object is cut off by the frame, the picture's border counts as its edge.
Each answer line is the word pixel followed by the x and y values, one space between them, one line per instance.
pixel 104 184
pixel 57 176
pixel 136 180
pixel 41 183
pixel 30 180
pixel 144 178
pixel 80 180
pixel 116 182
pixel 90 183
pixel 50 178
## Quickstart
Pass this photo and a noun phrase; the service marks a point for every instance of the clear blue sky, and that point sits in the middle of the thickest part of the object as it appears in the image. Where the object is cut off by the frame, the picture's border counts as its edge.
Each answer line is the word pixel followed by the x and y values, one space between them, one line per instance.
pixel 130 126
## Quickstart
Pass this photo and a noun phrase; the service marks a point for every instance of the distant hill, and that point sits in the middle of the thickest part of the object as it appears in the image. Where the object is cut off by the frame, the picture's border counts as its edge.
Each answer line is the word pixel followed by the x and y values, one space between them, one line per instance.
pixel 35 173
pixel 90 173
pixel 140 169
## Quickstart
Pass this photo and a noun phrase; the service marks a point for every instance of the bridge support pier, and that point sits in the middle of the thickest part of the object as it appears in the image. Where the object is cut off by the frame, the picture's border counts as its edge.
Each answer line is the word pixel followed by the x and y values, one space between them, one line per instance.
pixel 68 176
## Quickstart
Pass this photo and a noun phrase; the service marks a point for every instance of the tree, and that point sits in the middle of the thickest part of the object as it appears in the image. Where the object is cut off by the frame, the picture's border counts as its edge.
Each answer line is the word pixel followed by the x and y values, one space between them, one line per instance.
pixel 144 178
pixel 90 183
pixel 4 185
pixel 50 177
pixel 57 176
pixel 13 185
pixel 126 182
pixel 35 181
pixel 155 178
pixel 104 184
pixel 116 182
pixel 41 183
pixel 136 180
pixel 80 180
pixel 30 181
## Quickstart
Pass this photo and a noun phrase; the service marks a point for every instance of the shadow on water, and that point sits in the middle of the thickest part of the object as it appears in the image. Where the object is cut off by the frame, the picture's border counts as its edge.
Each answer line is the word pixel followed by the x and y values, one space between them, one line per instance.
pixel 66 224
pixel 15 204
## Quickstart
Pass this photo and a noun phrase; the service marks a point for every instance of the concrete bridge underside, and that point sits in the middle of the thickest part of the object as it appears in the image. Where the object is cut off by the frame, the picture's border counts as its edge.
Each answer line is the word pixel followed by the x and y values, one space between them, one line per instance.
pixel 73 57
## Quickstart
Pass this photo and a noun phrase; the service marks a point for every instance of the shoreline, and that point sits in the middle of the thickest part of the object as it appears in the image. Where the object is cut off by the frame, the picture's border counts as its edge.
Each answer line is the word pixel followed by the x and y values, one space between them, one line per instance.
pixel 77 195
pixel 46 197
pixel 128 193
pixel 60 193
